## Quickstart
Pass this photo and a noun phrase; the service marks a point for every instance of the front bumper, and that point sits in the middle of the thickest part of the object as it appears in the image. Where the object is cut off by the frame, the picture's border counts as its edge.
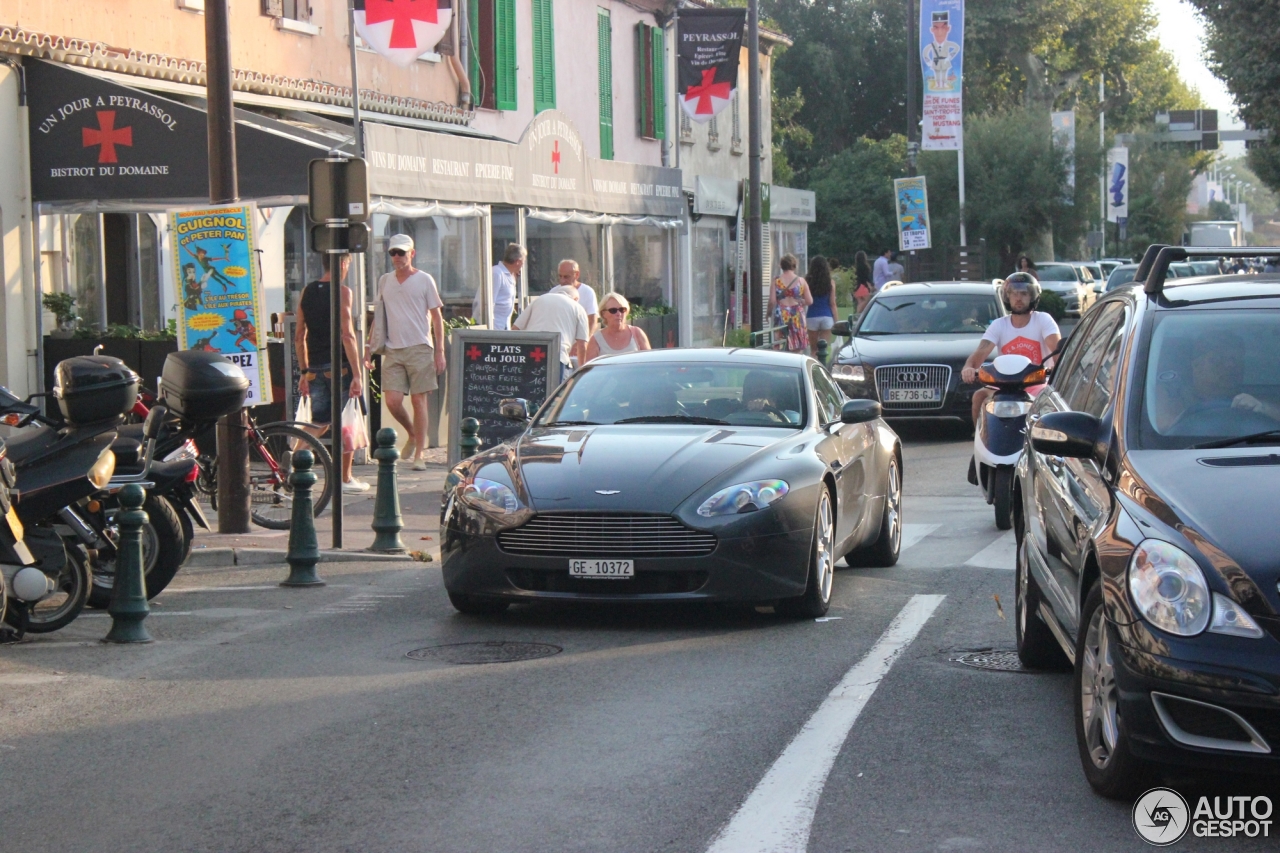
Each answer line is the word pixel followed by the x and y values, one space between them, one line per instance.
pixel 957 400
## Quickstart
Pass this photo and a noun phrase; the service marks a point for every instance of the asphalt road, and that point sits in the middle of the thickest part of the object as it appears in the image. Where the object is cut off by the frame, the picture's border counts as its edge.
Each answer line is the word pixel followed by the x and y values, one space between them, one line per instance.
pixel 267 719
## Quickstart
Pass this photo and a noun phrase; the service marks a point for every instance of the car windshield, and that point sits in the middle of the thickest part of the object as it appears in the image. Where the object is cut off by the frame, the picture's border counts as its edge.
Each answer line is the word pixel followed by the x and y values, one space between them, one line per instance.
pixel 680 392
pixel 1121 276
pixel 1181 270
pixel 1210 377
pixel 945 313
pixel 1056 272
pixel 1205 267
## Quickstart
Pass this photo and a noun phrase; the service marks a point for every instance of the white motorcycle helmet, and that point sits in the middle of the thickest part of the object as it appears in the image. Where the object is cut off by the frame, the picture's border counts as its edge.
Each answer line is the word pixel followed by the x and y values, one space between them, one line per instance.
pixel 1021 281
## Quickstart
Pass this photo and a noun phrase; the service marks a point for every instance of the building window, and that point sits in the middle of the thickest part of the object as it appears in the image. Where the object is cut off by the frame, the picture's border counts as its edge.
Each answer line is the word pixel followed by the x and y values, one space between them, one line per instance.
pixel 713 135
pixel 686 128
pixel 651 100
pixel 735 141
pixel 293 10
pixel 493 55
pixel 604 38
pixel 544 56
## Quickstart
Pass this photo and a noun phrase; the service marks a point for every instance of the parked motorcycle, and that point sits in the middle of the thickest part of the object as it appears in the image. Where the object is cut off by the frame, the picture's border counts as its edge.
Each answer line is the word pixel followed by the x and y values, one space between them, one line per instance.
pixel 1001 430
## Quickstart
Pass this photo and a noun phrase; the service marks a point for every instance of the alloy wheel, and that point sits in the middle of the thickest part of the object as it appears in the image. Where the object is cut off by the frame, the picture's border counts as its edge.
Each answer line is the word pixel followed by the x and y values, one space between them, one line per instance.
pixel 1022 590
pixel 826 546
pixel 894 509
pixel 1098 693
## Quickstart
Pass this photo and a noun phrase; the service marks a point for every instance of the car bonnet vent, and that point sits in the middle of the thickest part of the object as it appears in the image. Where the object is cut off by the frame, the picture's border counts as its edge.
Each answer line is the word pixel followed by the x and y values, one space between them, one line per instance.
pixel 1241 461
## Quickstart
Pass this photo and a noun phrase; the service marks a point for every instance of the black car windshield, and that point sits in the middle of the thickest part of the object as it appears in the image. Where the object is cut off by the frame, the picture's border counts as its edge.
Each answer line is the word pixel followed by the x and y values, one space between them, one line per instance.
pixel 927 314
pixel 680 392
pixel 1210 377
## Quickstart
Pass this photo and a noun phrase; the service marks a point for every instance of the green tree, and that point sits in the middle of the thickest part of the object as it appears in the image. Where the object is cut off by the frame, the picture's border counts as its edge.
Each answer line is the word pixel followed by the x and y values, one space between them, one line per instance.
pixel 787 134
pixel 854 191
pixel 1161 179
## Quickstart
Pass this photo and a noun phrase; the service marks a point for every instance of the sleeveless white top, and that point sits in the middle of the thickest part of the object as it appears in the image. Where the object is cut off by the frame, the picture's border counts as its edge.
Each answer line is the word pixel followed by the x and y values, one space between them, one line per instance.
pixel 605 349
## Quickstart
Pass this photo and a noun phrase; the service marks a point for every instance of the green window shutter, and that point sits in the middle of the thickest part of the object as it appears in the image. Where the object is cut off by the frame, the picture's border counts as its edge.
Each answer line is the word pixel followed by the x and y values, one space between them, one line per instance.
pixel 644 82
pixel 659 85
pixel 604 38
pixel 504 54
pixel 544 56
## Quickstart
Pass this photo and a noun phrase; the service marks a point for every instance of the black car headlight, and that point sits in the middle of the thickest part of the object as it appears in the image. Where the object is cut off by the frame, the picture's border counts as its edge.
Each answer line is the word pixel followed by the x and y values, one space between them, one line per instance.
pixel 744 497
pixel 850 372
pixel 489 495
pixel 1169 588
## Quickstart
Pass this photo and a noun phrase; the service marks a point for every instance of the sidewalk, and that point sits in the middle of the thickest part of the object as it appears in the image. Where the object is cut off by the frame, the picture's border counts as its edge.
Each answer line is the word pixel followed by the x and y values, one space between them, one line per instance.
pixel 419 507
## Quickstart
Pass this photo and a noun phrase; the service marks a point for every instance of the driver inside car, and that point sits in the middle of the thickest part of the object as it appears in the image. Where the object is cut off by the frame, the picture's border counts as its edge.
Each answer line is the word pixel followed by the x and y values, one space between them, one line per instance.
pixel 1217 376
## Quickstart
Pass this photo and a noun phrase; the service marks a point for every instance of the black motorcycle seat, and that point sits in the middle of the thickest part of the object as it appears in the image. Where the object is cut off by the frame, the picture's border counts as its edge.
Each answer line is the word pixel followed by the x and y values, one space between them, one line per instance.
pixel 33 444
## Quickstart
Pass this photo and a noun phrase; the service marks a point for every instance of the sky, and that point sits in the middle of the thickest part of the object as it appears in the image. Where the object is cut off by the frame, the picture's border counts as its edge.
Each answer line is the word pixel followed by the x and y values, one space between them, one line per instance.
pixel 1180 31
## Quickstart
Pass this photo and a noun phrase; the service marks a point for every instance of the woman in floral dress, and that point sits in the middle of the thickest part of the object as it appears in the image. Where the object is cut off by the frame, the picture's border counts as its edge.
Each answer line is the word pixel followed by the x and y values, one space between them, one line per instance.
pixel 787 303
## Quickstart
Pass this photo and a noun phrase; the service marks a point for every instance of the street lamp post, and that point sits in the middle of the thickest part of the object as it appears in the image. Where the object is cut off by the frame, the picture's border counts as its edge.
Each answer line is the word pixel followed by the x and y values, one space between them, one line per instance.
pixel 755 228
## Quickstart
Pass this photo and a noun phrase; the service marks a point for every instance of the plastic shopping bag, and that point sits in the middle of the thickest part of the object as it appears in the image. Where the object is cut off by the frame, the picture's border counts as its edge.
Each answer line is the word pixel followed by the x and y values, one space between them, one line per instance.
pixel 355 434
pixel 302 416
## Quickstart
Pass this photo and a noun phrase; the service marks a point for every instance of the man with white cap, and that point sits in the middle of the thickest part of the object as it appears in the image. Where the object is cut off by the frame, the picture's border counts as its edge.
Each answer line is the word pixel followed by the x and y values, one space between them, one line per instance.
pixel 558 311
pixel 414 353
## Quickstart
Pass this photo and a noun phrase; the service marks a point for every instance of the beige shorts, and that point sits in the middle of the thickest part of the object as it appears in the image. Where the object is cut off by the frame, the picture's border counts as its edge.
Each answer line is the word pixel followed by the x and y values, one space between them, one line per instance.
pixel 409 370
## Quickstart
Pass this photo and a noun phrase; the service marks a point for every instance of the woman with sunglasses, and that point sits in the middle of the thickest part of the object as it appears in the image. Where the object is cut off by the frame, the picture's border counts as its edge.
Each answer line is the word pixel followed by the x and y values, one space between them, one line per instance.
pixel 617 336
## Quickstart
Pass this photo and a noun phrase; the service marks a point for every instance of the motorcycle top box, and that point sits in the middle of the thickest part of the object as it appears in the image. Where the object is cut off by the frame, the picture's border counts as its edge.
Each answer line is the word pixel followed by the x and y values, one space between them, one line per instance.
pixel 202 386
pixel 92 388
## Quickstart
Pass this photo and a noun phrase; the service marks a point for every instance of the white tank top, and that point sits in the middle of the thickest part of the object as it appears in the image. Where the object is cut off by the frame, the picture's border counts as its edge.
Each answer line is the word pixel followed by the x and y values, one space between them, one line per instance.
pixel 605 349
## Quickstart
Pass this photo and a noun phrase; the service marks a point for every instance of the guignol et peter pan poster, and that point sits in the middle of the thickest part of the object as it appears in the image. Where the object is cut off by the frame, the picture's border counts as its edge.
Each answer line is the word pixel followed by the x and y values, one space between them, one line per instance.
pixel 219 298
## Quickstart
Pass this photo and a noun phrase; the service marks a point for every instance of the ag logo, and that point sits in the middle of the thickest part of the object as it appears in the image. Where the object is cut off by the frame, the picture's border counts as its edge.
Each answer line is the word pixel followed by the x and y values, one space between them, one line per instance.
pixel 1161 817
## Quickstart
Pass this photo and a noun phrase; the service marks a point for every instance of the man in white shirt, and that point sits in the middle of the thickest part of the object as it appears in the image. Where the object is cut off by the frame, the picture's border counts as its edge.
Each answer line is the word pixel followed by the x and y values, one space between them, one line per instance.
pixel 881 271
pixel 505 275
pixel 559 311
pixel 568 274
pixel 415 343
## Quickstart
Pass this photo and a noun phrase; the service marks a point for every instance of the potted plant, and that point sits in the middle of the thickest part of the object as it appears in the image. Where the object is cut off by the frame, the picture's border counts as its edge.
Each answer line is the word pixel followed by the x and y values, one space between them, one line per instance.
pixel 62 305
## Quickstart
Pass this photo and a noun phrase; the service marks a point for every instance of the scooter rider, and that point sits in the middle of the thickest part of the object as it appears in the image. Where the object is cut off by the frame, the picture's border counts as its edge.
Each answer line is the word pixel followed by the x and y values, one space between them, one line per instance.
pixel 1025 331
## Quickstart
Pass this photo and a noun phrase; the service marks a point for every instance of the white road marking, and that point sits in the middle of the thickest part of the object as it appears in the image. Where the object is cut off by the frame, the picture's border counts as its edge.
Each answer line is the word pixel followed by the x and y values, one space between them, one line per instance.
pixel 778 815
pixel 913 533
pixel 999 554
pixel 25 678
pixel 149 615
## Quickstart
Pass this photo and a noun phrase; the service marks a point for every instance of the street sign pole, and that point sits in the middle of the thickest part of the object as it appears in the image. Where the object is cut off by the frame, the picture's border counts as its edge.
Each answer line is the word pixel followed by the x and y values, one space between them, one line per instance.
pixel 232 431
pixel 755 229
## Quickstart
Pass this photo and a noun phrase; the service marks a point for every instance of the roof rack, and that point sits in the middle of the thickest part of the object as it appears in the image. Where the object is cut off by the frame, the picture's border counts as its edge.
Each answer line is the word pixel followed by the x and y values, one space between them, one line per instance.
pixel 1155 263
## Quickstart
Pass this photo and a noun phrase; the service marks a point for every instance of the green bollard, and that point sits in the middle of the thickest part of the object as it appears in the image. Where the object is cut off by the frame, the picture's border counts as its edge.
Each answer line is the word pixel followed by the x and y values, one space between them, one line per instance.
pixel 129 595
pixel 470 441
pixel 387 522
pixel 304 549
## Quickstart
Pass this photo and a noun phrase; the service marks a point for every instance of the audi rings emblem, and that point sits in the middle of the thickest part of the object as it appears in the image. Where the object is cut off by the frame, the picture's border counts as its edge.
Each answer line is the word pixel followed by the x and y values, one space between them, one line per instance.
pixel 917 376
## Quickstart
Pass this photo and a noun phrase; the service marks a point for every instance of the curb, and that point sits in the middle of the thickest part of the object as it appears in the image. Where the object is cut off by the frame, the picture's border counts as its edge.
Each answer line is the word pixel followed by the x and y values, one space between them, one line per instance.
pixel 209 558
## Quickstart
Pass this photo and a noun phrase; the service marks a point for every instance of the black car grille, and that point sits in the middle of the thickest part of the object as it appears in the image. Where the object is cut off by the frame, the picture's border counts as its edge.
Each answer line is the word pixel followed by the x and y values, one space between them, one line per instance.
pixel 609 535
pixel 907 378
pixel 643 583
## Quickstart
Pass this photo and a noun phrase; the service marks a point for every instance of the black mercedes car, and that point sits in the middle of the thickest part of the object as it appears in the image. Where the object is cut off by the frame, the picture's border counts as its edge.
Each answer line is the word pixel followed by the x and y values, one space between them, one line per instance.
pixel 1146 512
pixel 908 345
pixel 677 475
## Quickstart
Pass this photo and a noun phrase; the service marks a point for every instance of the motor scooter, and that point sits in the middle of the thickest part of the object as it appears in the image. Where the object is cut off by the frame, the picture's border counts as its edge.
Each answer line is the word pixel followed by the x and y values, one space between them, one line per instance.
pixel 1000 433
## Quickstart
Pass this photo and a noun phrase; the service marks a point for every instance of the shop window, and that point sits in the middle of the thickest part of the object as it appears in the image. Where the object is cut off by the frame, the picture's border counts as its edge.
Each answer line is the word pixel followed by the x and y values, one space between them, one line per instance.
pixel 642 264
pixel 710 286
pixel 604 39
pixel 448 249
pixel 651 100
pixel 551 242
pixel 301 265
pixel 544 56
pixel 493 55
pixel 85 270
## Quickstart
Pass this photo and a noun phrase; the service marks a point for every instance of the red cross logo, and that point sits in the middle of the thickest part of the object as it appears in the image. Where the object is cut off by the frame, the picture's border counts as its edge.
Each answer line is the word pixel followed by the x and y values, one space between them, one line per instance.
pixel 402 13
pixel 555 156
pixel 538 354
pixel 473 352
pixel 706 90
pixel 107 135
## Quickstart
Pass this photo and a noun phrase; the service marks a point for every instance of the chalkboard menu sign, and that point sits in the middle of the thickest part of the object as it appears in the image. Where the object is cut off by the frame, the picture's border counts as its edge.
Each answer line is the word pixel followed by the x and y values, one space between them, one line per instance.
pixel 488 366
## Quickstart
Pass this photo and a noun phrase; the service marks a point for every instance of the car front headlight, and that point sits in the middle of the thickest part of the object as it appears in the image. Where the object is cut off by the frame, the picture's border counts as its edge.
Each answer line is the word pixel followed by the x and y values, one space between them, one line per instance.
pixel 850 372
pixel 744 497
pixel 1169 588
pixel 489 495
pixel 1008 408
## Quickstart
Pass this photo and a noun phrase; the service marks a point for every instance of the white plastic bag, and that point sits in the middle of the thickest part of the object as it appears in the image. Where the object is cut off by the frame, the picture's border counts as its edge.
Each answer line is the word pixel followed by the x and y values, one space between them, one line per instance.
pixel 355 434
pixel 303 415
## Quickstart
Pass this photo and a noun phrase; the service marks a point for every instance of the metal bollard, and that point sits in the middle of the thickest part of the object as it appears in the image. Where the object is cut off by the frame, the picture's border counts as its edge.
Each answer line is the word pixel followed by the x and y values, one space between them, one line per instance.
pixel 824 351
pixel 387 522
pixel 129 595
pixel 470 441
pixel 304 550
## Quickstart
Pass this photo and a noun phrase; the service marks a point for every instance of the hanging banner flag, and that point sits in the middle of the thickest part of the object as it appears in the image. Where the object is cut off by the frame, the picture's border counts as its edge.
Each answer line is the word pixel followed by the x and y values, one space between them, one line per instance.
pixel 1117 184
pixel 219 293
pixel 403 30
pixel 911 198
pixel 1064 139
pixel 709 43
pixel 942 64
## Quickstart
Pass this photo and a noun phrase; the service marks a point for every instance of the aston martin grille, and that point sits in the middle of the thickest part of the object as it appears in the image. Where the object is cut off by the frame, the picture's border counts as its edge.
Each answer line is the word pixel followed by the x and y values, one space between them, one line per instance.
pixel 913 386
pixel 606 535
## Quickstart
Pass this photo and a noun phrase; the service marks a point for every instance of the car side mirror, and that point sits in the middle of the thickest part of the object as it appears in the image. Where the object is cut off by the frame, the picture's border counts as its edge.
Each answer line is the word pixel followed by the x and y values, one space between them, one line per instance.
pixel 155 422
pixel 1074 435
pixel 514 409
pixel 859 411
pixel 843 329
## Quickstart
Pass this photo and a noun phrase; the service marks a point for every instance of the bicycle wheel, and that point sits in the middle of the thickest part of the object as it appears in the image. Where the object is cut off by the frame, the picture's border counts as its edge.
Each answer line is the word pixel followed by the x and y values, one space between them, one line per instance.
pixel 271 463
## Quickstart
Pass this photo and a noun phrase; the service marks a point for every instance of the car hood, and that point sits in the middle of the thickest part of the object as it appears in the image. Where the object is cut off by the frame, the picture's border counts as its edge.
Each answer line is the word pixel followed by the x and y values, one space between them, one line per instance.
pixel 1228 511
pixel 912 349
pixel 649 467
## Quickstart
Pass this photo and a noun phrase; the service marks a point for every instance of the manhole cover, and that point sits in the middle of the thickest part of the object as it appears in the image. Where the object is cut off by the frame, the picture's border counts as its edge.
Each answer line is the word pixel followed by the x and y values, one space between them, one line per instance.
pixel 1000 660
pixel 497 651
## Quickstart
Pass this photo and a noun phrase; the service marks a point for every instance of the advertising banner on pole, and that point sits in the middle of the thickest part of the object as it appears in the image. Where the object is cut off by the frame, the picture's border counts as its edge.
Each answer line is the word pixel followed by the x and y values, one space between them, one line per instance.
pixel 708 45
pixel 1117 184
pixel 1064 139
pixel 219 291
pixel 942 64
pixel 911 198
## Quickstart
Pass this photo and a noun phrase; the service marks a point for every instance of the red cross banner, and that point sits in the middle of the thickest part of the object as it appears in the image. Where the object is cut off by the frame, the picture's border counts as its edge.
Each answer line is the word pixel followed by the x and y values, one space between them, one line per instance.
pixel 403 30
pixel 709 43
